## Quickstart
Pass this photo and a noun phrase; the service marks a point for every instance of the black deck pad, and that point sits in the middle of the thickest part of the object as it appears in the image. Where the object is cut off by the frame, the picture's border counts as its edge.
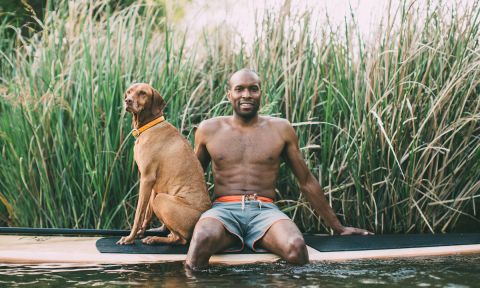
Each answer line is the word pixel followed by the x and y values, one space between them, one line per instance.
pixel 108 245
pixel 320 243
pixel 378 242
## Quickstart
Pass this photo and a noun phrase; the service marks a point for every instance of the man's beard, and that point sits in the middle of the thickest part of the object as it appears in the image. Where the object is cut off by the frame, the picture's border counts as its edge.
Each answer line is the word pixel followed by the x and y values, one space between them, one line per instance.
pixel 247 114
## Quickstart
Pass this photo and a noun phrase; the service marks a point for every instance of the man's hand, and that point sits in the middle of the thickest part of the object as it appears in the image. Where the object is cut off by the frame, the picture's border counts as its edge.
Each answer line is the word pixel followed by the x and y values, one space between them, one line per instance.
pixel 126 240
pixel 354 231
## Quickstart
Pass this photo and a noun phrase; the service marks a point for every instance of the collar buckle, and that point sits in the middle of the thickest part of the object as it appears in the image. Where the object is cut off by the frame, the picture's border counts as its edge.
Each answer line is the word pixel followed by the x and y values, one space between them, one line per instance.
pixel 135 133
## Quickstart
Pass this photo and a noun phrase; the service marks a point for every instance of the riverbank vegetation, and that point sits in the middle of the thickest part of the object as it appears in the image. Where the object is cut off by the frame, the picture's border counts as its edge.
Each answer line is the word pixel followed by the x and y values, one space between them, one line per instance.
pixel 389 124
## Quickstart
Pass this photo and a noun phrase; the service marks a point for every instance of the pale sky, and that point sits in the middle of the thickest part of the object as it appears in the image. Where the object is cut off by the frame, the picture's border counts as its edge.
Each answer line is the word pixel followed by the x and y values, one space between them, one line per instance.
pixel 240 14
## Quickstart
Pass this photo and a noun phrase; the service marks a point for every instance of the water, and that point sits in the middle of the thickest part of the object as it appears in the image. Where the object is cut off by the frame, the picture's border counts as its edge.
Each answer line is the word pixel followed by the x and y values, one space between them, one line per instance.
pixel 455 271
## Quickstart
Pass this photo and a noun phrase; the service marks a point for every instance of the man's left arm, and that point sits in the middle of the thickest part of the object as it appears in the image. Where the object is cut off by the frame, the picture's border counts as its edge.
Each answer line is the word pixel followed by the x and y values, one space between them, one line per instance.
pixel 309 186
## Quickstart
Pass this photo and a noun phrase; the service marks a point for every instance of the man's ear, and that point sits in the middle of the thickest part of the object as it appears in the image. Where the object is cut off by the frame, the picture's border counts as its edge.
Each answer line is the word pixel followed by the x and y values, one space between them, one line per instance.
pixel 158 104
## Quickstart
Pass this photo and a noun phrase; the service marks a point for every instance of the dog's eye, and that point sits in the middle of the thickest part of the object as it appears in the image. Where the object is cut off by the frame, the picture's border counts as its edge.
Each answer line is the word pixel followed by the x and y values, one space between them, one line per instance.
pixel 141 92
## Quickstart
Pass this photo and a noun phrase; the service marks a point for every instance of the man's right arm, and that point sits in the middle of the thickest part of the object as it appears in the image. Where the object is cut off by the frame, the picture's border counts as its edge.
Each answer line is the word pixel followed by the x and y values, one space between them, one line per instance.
pixel 309 185
pixel 201 151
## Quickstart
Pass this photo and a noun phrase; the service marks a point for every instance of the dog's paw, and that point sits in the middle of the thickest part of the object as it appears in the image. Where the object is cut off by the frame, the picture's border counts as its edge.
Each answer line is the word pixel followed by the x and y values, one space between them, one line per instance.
pixel 126 240
pixel 150 240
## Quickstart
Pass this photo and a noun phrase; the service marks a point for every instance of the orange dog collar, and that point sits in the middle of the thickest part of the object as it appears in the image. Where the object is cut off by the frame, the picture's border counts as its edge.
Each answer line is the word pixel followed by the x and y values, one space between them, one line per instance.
pixel 137 132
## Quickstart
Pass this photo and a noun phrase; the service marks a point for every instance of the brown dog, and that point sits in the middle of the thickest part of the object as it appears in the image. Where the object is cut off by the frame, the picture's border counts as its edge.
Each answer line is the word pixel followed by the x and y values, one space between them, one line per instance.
pixel 171 178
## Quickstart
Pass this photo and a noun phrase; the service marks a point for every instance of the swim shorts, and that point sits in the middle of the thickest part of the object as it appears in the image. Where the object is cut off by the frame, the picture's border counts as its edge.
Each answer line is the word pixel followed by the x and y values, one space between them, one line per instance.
pixel 248 221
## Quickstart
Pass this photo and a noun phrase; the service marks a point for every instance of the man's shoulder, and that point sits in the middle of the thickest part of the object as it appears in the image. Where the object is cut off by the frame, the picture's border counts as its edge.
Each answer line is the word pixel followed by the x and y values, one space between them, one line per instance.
pixel 276 122
pixel 212 124
pixel 282 126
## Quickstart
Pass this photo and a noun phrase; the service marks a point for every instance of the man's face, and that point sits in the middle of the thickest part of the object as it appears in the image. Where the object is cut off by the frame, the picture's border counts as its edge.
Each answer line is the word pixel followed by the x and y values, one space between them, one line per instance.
pixel 245 93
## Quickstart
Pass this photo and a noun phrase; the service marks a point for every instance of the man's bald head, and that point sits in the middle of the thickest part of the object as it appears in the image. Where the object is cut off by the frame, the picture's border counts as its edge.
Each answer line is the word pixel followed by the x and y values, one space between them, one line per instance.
pixel 245 93
pixel 245 72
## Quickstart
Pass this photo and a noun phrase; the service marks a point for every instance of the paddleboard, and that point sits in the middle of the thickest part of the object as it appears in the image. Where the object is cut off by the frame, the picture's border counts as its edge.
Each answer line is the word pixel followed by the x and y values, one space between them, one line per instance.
pixel 31 249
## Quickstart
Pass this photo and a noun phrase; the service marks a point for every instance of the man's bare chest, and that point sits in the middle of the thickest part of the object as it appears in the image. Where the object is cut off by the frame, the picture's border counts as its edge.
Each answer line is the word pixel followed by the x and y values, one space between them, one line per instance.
pixel 261 147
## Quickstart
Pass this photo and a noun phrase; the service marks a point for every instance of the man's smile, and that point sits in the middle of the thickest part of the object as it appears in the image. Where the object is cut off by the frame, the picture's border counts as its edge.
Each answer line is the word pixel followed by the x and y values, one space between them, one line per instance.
pixel 247 105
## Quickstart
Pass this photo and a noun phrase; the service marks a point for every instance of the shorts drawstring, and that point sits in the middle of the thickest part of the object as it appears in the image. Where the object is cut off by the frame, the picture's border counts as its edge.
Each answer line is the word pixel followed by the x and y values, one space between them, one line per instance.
pixel 251 197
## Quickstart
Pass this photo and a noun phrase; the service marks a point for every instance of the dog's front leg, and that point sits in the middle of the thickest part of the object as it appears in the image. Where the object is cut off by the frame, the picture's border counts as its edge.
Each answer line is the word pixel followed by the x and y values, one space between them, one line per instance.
pixel 148 217
pixel 146 185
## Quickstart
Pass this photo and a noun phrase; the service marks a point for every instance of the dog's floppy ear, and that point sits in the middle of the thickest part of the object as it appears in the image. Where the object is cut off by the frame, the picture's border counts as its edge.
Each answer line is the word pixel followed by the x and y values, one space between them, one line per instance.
pixel 158 104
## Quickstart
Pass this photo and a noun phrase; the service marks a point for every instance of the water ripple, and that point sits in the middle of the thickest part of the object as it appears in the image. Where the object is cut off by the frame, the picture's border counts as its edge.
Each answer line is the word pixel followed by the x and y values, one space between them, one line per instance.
pixel 421 272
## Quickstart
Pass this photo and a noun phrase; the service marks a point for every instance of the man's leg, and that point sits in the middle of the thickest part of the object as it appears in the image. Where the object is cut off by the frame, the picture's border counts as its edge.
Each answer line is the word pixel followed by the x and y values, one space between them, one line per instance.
pixel 209 237
pixel 284 239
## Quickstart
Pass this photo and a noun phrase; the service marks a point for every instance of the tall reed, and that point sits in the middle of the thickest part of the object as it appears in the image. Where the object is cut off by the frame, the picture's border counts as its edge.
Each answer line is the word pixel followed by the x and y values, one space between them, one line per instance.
pixel 390 127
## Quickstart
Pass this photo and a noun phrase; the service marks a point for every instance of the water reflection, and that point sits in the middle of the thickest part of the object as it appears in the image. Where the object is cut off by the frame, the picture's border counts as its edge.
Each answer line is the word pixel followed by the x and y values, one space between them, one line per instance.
pixel 433 272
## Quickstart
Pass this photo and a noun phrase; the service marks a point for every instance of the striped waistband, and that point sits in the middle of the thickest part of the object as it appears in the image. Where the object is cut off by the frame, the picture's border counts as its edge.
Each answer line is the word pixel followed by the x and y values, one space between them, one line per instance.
pixel 243 198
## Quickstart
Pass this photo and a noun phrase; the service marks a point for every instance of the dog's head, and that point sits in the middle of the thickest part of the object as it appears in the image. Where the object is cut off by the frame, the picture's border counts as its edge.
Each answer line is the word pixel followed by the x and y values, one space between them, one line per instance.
pixel 141 98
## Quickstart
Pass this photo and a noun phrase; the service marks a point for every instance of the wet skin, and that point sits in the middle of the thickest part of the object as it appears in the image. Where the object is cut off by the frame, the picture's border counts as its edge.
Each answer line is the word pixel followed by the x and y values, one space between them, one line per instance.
pixel 246 151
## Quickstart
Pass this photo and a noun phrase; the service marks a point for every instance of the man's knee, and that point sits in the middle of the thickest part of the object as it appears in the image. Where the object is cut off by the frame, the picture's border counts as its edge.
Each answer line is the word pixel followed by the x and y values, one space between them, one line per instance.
pixel 203 235
pixel 296 250
pixel 203 244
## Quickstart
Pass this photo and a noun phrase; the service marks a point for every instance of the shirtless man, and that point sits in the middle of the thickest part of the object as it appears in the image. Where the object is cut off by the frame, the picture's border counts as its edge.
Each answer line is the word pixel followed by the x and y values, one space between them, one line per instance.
pixel 246 150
